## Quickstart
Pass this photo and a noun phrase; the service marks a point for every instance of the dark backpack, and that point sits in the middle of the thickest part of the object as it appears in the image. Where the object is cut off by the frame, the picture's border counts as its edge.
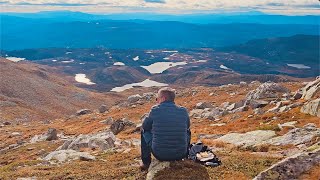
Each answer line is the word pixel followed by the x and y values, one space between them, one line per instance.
pixel 203 155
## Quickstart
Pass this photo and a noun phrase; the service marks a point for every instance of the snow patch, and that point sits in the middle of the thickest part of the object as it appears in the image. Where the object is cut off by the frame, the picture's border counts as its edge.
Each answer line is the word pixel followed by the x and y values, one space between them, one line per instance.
pixel 299 66
pixel 118 64
pixel 159 67
pixel 81 78
pixel 15 59
pixel 224 67
pixel 70 61
pixel 136 58
pixel 145 83
pixel 202 61
pixel 170 51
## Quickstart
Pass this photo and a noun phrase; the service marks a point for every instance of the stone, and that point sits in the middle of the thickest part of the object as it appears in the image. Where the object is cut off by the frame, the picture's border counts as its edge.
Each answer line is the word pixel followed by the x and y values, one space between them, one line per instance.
pixel 136 142
pixel 258 111
pixel 51 134
pixel 148 96
pixel 185 169
pixel 87 157
pixel 276 108
pixel 203 105
pixel 312 108
pixel 258 104
pixel 241 109
pixel 287 124
pixel 231 107
pixel 242 83
pixel 67 155
pixel 196 113
pixel 134 98
pixel 311 89
pixel 107 121
pixel 225 105
pixel 138 127
pixel 83 112
pixel 250 116
pixel 102 141
pixel 284 109
pixel 247 139
pixel 295 136
pixel 267 90
pixel 119 125
pixel 210 136
pixel 6 123
pixel 297 95
pixel 291 167
pixel 217 124
pixel 103 108
pixel 155 167
pixel 294 105
pixel 15 134
pixel 12 146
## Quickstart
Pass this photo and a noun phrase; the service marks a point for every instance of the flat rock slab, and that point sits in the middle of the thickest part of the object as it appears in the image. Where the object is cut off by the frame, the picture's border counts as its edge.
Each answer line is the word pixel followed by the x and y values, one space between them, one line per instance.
pixel 247 139
pixel 291 167
pixel 68 155
pixel 295 136
pixel 312 108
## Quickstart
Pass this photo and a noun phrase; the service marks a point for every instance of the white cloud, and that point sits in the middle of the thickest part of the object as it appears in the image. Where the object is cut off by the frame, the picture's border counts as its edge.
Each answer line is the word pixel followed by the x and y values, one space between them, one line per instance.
pixel 171 6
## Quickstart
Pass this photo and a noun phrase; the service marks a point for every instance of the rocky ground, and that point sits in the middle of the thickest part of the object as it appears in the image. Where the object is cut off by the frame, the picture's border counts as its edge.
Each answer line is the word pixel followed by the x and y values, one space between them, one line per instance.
pixel 258 130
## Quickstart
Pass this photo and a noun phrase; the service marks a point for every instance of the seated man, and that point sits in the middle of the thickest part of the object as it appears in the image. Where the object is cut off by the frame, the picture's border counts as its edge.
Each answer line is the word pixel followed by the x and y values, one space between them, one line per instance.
pixel 165 131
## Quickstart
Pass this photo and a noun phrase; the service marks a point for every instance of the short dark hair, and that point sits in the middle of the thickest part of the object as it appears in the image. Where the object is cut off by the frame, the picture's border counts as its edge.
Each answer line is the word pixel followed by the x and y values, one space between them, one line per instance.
pixel 168 93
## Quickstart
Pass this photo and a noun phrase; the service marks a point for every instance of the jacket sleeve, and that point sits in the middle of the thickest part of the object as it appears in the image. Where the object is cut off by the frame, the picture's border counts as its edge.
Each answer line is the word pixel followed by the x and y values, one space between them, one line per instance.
pixel 148 121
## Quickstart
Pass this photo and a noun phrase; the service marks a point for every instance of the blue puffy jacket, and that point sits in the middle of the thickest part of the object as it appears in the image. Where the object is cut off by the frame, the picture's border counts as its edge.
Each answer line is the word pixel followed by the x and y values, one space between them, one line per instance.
pixel 170 128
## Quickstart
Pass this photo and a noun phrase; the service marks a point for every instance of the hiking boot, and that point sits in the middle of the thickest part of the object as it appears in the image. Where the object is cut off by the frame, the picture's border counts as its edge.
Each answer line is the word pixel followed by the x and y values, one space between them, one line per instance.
pixel 144 167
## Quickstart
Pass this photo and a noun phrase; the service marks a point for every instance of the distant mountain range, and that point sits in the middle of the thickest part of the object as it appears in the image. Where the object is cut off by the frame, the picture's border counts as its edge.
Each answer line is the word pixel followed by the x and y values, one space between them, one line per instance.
pixel 30 32
pixel 209 18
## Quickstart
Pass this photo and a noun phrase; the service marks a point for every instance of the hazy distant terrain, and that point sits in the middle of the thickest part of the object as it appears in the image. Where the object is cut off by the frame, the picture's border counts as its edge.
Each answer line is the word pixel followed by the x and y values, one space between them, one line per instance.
pixel 79 30
pixel 262 60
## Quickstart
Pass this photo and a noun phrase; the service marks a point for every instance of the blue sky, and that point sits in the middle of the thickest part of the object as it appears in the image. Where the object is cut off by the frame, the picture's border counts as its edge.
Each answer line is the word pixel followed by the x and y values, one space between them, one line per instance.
pixel 164 6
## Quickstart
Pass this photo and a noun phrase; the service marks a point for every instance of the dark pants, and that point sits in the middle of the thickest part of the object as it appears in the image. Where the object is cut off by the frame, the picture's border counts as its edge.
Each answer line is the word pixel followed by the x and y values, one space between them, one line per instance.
pixel 146 143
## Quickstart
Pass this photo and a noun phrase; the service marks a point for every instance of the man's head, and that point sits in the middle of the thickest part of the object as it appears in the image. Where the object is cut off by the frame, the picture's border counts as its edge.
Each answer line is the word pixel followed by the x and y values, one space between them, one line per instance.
pixel 166 94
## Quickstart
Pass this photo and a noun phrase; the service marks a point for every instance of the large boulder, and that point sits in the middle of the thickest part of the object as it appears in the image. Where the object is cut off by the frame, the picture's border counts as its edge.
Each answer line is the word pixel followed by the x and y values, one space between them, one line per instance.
pixel 68 155
pixel 103 108
pixel 102 141
pixel 291 167
pixel 50 135
pixel 296 136
pixel 148 96
pixel 83 112
pixel 134 98
pixel 311 89
pixel 203 105
pixel 119 125
pixel 267 90
pixel 258 104
pixel 247 139
pixel 186 169
pixel 312 108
